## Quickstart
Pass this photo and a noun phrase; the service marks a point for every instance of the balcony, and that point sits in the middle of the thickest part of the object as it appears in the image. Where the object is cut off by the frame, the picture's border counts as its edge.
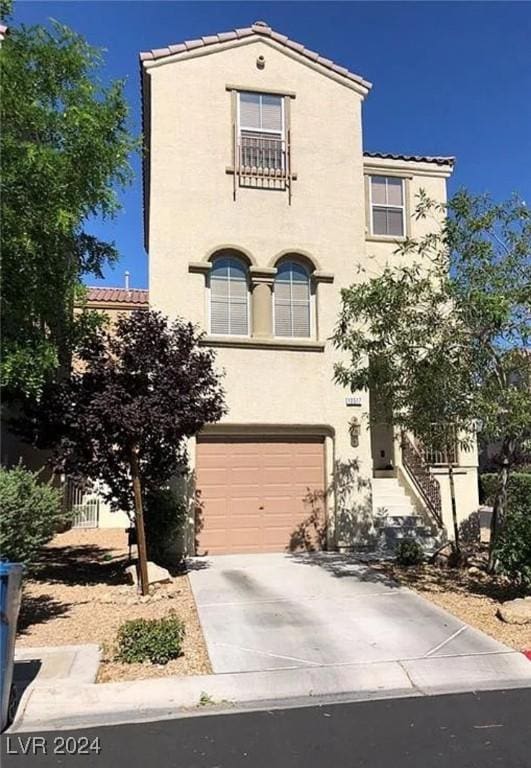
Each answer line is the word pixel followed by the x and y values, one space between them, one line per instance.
pixel 263 161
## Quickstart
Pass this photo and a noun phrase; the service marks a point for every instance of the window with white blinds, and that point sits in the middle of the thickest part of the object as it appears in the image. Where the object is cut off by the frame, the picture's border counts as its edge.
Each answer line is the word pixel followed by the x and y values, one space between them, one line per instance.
pixel 292 300
pixel 387 206
pixel 261 113
pixel 229 298
pixel 261 131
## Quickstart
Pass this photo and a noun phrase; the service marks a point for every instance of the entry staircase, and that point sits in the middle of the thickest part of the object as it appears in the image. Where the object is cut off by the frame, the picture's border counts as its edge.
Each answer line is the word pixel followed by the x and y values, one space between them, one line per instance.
pixel 398 517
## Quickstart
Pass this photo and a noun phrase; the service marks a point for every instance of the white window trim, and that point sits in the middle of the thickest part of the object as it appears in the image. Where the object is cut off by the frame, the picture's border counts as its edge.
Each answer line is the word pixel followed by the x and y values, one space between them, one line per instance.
pixel 401 208
pixel 311 308
pixel 249 306
pixel 265 131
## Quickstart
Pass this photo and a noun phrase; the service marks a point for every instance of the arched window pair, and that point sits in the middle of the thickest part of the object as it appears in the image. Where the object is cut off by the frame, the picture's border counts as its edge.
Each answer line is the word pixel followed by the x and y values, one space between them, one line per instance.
pixel 229 298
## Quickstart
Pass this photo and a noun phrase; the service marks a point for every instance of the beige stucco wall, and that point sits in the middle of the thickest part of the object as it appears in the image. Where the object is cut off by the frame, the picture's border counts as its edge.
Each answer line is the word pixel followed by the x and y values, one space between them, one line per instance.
pixel 109 519
pixel 193 213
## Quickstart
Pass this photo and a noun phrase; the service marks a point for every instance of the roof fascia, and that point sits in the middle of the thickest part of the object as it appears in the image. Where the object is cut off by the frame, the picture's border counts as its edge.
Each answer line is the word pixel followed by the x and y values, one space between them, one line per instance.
pixel 359 88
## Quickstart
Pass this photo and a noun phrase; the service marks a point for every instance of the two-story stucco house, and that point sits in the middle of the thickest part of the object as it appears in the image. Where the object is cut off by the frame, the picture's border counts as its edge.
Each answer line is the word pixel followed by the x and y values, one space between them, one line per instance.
pixel 259 204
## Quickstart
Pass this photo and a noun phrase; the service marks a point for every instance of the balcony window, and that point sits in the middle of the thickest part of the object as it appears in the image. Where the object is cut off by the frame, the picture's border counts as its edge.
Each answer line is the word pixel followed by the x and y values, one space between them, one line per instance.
pixel 261 132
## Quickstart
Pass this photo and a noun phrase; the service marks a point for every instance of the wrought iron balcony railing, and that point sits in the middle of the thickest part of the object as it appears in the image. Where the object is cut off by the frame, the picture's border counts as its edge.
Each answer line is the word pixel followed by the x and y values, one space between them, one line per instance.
pixel 261 154
pixel 427 485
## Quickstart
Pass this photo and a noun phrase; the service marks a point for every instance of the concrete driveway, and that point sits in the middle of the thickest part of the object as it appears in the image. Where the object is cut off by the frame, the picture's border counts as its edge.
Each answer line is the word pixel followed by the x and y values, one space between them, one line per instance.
pixel 273 612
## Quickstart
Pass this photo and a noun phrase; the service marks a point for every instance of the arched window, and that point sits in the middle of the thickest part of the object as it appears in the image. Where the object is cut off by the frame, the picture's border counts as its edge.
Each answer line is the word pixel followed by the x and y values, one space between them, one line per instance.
pixel 292 300
pixel 229 297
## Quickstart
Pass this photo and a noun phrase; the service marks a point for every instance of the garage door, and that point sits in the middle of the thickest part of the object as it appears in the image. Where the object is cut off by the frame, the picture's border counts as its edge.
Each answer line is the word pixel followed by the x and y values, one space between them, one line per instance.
pixel 259 495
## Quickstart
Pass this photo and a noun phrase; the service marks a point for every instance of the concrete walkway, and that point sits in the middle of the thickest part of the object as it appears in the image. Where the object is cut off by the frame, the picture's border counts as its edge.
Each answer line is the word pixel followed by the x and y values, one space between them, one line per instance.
pixel 270 612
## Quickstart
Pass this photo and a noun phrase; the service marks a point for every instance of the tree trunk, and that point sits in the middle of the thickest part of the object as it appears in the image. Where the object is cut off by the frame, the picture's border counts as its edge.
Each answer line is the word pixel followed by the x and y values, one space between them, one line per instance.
pixel 498 510
pixel 454 505
pixel 139 523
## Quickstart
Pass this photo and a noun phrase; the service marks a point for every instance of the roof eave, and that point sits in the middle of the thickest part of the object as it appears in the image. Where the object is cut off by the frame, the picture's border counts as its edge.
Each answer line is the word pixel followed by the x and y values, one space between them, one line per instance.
pixel 224 40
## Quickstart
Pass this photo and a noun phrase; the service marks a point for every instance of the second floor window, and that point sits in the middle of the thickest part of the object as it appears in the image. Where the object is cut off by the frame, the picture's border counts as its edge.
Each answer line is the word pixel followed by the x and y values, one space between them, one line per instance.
pixel 387 206
pixel 261 131
pixel 229 298
pixel 292 300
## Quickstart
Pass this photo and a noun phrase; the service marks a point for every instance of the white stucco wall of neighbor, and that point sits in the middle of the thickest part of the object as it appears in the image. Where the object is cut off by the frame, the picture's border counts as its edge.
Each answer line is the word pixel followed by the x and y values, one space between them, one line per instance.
pixel 193 213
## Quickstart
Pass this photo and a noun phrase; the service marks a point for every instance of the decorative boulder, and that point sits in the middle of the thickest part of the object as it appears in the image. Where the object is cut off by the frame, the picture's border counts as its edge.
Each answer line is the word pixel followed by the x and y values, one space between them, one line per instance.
pixel 156 574
pixel 516 611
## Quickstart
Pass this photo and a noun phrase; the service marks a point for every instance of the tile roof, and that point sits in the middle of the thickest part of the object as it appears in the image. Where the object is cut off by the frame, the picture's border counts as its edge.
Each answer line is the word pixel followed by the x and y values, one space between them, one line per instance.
pixel 109 295
pixel 411 158
pixel 259 28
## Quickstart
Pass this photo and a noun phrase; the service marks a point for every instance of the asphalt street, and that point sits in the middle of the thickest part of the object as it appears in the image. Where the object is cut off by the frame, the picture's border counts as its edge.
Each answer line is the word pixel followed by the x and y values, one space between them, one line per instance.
pixel 482 730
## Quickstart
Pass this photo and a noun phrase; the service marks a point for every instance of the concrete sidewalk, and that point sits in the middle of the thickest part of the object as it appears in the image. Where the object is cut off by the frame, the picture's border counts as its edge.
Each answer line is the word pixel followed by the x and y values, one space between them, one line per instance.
pixel 66 705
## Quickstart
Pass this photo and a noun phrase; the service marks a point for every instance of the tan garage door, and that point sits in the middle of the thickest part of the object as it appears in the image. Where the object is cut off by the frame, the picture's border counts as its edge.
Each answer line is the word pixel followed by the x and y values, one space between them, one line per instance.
pixel 259 495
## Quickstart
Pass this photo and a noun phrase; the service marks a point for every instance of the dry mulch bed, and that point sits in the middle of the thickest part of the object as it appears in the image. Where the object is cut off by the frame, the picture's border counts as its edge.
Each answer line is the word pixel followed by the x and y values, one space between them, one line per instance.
pixel 473 597
pixel 80 595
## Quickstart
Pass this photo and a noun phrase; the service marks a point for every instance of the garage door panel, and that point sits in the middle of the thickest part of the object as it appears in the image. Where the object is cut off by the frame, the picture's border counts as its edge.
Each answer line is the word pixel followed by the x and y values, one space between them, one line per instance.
pixel 254 494
pixel 241 492
pixel 244 475
pixel 244 505
pixel 247 537
pixel 277 475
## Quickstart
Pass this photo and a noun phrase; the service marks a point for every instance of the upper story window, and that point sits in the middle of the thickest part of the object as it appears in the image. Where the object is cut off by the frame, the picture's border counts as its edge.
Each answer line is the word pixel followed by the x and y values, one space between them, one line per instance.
pixel 292 300
pixel 387 206
pixel 229 297
pixel 261 131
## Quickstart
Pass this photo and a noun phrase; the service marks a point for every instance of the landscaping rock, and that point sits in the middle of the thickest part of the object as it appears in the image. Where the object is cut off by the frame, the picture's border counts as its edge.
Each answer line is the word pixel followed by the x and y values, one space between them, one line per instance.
pixel 516 611
pixel 156 574
pixel 443 556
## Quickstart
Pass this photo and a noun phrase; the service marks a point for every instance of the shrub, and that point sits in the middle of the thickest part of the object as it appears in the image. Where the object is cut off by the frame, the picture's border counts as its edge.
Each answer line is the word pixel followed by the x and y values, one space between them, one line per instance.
pixel 409 552
pixel 164 518
pixel 518 487
pixel 513 550
pixel 31 514
pixel 154 640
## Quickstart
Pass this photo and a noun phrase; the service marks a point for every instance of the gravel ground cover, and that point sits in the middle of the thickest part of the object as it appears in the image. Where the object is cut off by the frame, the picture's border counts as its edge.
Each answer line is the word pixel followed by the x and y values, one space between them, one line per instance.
pixel 80 595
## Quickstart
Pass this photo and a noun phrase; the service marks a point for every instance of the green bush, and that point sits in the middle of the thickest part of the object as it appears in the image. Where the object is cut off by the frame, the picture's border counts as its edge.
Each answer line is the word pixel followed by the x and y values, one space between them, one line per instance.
pixel 31 513
pixel 513 550
pixel 518 487
pixel 154 640
pixel 164 518
pixel 409 552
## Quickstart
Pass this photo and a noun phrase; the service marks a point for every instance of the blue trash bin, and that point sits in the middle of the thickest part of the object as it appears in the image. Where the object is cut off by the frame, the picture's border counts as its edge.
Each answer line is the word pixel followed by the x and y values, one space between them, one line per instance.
pixel 10 596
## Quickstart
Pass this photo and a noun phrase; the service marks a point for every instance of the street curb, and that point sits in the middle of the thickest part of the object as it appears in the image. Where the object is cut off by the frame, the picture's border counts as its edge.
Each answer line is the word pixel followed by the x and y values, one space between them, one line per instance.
pixel 61 706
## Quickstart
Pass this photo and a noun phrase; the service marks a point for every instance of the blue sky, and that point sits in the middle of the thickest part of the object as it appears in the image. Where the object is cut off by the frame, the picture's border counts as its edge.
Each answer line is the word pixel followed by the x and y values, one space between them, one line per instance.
pixel 449 78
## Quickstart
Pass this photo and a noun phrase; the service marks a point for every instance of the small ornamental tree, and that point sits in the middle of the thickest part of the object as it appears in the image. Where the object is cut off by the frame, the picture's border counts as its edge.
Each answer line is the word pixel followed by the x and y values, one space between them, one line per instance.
pixel 125 414
pixel 443 333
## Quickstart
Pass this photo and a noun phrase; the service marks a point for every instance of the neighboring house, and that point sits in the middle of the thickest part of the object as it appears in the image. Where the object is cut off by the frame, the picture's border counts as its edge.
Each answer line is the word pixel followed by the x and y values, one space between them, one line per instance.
pixel 259 205
pixel 116 301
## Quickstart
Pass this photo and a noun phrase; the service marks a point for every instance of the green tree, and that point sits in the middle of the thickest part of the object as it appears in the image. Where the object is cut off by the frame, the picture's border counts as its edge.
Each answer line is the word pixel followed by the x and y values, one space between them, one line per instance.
pixel 65 148
pixel 443 334
pixel 6 9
